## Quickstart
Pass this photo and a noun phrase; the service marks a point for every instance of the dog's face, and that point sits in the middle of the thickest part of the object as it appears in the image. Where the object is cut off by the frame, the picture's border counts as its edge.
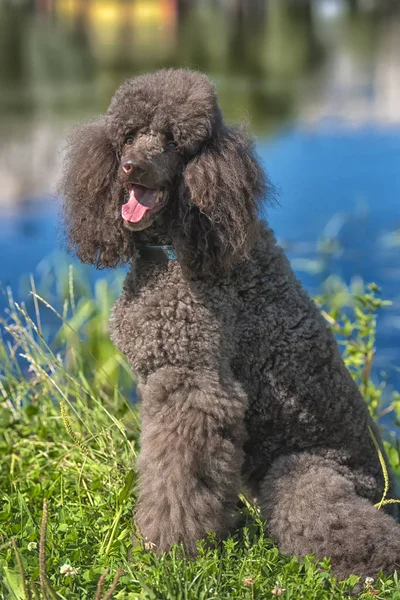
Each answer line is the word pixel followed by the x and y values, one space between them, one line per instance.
pixel 161 123
pixel 149 166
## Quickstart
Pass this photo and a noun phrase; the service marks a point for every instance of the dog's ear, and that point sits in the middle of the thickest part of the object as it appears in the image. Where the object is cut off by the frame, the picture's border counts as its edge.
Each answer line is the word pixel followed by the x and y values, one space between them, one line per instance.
pixel 223 187
pixel 92 205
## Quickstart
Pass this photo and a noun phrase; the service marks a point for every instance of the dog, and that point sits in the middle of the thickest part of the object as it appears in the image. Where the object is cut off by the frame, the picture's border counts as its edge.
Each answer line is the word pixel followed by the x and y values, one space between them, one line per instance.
pixel 241 381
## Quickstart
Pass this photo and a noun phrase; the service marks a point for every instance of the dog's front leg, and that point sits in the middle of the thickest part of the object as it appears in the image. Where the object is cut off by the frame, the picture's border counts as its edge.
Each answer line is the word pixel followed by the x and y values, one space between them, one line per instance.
pixel 191 455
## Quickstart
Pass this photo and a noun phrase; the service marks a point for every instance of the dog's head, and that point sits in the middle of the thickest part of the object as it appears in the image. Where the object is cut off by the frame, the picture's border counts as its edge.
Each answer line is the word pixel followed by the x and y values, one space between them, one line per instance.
pixel 161 166
pixel 158 122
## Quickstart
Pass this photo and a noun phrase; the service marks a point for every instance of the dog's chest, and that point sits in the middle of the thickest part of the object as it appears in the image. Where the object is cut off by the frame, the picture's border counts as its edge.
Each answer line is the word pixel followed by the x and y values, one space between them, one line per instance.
pixel 162 319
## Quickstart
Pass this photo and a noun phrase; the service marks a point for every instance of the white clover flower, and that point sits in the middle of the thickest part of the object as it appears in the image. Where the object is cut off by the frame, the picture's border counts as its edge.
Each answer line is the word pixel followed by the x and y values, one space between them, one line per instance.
pixel 149 546
pixel 277 590
pixel 69 571
pixel 369 580
pixel 32 546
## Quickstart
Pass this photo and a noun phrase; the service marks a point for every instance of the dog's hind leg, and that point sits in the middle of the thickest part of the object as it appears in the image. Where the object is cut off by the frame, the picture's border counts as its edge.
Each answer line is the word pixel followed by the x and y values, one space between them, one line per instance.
pixel 313 509
pixel 191 456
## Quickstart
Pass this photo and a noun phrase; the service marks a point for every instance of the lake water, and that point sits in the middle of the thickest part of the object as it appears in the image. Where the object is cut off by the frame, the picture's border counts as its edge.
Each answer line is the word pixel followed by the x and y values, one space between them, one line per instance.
pixel 319 84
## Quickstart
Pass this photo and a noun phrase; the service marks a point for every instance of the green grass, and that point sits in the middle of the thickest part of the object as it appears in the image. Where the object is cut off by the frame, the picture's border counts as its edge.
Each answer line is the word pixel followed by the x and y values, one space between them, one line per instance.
pixel 68 442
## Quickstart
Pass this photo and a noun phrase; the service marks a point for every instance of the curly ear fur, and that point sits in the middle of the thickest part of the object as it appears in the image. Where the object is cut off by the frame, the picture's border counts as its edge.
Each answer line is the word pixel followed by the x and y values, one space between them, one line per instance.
pixel 223 187
pixel 92 200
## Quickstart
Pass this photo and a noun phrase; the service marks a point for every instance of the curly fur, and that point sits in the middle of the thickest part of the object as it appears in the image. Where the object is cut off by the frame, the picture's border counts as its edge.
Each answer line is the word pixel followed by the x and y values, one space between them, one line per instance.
pixel 240 377
pixel 89 177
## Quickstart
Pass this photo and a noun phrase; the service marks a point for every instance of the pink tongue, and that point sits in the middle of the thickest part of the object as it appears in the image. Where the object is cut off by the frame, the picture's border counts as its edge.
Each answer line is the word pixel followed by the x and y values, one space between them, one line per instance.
pixel 140 201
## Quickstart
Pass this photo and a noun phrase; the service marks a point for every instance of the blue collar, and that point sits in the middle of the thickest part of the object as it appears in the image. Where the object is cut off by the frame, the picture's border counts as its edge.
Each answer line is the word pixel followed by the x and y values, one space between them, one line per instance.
pixel 157 253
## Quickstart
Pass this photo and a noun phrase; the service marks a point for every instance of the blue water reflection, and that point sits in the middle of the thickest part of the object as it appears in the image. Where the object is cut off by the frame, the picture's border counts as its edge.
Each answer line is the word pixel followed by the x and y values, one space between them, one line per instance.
pixel 340 184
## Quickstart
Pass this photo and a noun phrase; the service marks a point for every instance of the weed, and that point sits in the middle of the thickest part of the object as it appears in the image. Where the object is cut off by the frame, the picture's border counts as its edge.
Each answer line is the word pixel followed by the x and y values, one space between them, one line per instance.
pixel 68 442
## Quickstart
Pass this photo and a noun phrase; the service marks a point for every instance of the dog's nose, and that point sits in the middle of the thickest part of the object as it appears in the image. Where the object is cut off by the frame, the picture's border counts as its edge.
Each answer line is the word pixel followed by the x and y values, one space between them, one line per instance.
pixel 127 166
pixel 137 167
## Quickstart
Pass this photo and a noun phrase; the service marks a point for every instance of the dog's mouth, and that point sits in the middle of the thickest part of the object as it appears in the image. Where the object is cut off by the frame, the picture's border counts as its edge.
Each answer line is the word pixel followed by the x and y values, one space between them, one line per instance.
pixel 143 203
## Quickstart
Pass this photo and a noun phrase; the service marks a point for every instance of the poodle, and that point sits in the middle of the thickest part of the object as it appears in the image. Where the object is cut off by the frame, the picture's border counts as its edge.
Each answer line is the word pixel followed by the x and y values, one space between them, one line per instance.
pixel 241 381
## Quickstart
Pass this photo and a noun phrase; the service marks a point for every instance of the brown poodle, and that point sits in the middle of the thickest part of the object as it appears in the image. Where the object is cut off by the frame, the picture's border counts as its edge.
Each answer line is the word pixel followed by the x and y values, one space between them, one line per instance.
pixel 241 380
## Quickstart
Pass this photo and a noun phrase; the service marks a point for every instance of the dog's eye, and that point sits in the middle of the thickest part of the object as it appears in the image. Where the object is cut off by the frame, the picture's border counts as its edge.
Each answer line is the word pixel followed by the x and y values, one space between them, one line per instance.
pixel 129 139
pixel 172 145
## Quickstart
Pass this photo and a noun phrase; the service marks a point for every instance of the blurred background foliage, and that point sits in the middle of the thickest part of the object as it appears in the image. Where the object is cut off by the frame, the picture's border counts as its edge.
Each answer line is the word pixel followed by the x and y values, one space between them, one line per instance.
pixel 66 57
